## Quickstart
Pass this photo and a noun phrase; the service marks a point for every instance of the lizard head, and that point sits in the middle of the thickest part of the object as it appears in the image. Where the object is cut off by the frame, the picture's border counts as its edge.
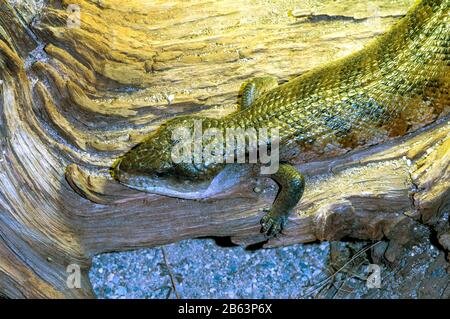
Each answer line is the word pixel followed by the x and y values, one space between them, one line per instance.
pixel 152 165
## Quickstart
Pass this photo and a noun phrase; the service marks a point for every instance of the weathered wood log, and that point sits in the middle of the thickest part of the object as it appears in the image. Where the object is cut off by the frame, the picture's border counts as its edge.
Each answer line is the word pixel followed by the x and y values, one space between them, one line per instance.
pixel 97 82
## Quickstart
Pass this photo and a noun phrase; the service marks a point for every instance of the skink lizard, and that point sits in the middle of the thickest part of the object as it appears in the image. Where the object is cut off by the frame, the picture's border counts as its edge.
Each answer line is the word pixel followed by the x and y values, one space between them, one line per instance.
pixel 398 83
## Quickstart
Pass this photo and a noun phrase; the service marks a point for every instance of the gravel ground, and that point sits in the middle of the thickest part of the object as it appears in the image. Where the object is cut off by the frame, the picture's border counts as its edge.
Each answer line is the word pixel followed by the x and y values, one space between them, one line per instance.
pixel 201 269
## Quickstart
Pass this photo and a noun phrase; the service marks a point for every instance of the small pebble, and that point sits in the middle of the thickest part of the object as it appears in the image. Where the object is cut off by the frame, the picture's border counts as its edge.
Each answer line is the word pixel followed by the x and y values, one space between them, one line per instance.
pixel 257 189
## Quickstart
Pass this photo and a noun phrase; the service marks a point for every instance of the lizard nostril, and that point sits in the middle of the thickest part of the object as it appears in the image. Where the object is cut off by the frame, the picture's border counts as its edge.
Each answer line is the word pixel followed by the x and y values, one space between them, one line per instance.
pixel 115 170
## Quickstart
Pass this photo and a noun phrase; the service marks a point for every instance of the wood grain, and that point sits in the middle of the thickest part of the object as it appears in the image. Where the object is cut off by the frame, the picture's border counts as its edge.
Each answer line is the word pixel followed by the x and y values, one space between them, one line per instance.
pixel 80 96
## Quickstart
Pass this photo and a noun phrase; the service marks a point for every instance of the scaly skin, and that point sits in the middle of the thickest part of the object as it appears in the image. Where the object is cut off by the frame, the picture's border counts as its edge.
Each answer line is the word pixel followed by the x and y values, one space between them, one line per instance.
pixel 396 84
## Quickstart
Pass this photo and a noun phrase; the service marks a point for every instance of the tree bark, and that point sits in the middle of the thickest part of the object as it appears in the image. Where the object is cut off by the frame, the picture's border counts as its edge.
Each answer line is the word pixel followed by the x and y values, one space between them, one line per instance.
pixel 76 91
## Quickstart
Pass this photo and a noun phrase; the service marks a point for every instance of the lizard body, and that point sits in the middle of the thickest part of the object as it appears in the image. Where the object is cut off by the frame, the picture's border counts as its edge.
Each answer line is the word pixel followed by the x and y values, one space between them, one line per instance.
pixel 396 84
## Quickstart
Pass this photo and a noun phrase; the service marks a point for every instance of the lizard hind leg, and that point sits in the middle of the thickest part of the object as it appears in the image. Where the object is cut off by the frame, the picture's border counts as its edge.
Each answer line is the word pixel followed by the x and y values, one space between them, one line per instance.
pixel 292 185
pixel 251 90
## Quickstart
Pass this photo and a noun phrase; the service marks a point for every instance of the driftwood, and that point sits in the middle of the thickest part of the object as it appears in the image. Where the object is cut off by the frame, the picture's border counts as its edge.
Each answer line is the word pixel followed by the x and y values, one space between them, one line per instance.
pixel 96 83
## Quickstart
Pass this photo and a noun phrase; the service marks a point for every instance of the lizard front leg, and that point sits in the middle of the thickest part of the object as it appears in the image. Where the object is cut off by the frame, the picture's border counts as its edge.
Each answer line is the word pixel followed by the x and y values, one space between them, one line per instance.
pixel 292 185
pixel 253 89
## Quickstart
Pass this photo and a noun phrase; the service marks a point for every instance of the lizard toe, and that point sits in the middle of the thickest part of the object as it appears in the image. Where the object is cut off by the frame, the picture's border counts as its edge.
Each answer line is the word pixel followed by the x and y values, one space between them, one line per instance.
pixel 266 223
pixel 272 225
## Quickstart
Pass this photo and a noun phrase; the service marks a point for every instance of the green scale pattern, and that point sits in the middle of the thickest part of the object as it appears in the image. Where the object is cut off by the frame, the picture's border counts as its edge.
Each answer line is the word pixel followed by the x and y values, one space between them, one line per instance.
pixel 398 83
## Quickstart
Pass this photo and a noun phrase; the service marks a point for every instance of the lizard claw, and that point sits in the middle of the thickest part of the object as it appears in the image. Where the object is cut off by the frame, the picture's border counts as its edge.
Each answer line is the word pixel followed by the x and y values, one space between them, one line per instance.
pixel 273 225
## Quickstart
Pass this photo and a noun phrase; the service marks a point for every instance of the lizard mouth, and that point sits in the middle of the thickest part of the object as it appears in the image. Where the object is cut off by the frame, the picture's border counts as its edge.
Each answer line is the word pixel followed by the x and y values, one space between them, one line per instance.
pixel 164 185
pixel 174 186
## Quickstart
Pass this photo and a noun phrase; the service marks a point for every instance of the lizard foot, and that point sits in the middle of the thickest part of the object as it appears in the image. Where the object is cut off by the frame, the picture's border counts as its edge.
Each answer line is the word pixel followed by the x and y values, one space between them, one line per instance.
pixel 272 225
